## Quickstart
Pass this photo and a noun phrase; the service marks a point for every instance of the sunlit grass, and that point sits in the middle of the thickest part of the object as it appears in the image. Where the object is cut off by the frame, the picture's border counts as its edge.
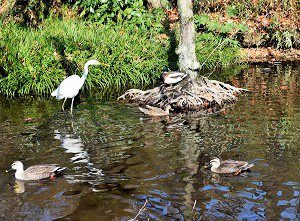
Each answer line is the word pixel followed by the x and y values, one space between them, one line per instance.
pixel 35 61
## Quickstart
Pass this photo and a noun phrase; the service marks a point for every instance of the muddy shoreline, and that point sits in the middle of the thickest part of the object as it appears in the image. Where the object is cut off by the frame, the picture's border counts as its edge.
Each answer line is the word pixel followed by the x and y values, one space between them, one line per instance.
pixel 270 55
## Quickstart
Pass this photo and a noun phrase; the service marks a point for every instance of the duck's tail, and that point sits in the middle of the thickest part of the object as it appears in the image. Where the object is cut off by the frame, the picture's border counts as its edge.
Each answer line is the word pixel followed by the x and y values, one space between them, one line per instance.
pixel 247 166
pixel 60 170
pixel 144 110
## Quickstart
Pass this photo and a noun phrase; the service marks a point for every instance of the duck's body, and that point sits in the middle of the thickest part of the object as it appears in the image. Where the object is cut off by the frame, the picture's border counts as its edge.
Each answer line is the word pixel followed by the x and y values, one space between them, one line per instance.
pixel 173 77
pixel 229 166
pixel 36 172
pixel 155 111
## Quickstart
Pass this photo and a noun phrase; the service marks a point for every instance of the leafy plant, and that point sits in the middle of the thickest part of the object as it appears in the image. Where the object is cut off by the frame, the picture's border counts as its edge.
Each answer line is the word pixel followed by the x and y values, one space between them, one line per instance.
pixel 32 12
pixel 35 61
pixel 216 51
pixel 118 11
pixel 228 28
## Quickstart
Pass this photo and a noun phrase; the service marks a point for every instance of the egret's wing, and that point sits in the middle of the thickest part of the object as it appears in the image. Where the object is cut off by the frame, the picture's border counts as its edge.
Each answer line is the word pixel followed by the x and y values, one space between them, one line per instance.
pixel 69 87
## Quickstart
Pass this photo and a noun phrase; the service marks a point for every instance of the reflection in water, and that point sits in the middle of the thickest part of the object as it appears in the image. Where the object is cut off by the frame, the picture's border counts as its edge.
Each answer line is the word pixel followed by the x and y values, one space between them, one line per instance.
pixel 19 187
pixel 159 160
pixel 72 143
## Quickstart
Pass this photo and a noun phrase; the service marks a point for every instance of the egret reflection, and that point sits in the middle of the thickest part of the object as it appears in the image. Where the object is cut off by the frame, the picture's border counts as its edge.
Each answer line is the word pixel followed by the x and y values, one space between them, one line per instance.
pixel 72 143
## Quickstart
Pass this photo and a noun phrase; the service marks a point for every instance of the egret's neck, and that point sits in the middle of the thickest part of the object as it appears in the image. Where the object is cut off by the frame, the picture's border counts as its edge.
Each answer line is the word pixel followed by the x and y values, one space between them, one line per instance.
pixel 85 73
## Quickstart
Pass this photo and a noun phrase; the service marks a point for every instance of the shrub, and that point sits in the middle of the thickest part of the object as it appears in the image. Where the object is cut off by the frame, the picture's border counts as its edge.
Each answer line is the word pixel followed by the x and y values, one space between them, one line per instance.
pixel 216 51
pixel 32 12
pixel 35 61
pixel 269 22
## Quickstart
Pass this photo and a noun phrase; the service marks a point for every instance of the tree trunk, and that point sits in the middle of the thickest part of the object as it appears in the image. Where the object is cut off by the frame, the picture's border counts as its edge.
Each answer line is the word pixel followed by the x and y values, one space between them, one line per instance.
pixel 202 95
pixel 186 49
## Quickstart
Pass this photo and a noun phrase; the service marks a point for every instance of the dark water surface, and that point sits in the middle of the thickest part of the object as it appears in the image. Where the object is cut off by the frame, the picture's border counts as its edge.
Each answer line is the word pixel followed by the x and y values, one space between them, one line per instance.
pixel 117 158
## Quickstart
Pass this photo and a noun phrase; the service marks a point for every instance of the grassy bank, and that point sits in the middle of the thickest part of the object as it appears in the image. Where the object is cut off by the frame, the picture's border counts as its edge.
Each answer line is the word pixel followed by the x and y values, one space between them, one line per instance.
pixel 34 60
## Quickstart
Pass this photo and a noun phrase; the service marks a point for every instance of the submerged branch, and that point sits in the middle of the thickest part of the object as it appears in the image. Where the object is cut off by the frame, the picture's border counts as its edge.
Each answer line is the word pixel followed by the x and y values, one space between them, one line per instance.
pixel 140 211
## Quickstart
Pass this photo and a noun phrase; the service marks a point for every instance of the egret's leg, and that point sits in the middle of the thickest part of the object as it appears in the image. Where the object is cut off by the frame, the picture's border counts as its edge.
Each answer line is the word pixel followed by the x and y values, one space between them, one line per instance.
pixel 72 105
pixel 62 107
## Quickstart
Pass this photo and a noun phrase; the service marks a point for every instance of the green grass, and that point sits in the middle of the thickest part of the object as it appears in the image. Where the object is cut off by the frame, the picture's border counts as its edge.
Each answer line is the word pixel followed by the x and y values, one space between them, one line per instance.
pixel 35 61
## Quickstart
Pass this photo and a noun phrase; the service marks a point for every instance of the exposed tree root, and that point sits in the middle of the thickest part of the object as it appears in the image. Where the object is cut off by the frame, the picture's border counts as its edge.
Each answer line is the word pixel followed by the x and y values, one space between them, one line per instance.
pixel 188 95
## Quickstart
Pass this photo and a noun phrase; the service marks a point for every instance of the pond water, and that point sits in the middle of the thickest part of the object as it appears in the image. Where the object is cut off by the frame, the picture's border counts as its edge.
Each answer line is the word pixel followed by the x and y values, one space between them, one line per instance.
pixel 117 158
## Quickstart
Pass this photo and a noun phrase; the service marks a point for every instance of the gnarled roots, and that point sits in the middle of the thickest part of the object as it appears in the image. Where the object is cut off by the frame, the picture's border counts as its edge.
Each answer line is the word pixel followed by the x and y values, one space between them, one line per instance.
pixel 188 95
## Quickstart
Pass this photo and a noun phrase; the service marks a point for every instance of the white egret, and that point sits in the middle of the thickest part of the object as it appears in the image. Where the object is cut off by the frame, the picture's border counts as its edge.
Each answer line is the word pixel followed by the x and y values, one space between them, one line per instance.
pixel 70 86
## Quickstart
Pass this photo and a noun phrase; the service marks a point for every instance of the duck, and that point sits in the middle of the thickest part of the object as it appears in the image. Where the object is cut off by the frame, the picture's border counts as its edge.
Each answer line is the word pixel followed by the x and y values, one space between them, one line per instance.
pixel 36 172
pixel 155 111
pixel 173 77
pixel 229 166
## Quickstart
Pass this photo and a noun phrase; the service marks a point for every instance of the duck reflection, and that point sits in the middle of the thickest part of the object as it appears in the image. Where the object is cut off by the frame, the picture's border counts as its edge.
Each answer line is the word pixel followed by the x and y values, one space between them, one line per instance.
pixel 19 187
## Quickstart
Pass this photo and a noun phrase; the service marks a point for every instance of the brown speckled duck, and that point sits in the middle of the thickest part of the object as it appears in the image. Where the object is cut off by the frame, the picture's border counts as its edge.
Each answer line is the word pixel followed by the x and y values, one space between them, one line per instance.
pixel 229 166
pixel 155 111
pixel 36 172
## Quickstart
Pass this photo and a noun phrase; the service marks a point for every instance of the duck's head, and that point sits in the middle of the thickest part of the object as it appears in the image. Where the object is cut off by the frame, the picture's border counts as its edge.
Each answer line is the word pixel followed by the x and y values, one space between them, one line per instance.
pixel 17 165
pixel 168 108
pixel 215 162
pixel 165 74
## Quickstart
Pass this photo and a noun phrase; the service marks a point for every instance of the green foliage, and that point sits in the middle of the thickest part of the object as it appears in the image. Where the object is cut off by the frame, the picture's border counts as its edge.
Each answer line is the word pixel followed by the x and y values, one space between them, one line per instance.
pixel 205 23
pixel 269 22
pixel 118 11
pixel 110 10
pixel 32 12
pixel 216 43
pixel 36 61
pixel 216 51
pixel 284 39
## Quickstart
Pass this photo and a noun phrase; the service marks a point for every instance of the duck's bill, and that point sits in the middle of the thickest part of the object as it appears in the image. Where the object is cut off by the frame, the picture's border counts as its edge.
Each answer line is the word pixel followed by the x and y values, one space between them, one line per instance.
pixel 207 165
pixel 8 170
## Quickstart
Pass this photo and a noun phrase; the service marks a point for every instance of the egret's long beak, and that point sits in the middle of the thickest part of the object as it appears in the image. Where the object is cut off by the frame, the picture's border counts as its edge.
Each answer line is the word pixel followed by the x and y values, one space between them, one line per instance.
pixel 103 64
pixel 8 170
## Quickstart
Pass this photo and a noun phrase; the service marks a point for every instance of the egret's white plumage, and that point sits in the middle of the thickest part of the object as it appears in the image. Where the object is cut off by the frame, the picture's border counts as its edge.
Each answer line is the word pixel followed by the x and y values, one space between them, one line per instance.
pixel 70 86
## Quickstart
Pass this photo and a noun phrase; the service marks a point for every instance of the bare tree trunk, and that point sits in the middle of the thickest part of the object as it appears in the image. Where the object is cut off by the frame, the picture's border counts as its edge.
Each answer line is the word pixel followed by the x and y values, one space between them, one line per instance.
pixel 199 94
pixel 186 49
